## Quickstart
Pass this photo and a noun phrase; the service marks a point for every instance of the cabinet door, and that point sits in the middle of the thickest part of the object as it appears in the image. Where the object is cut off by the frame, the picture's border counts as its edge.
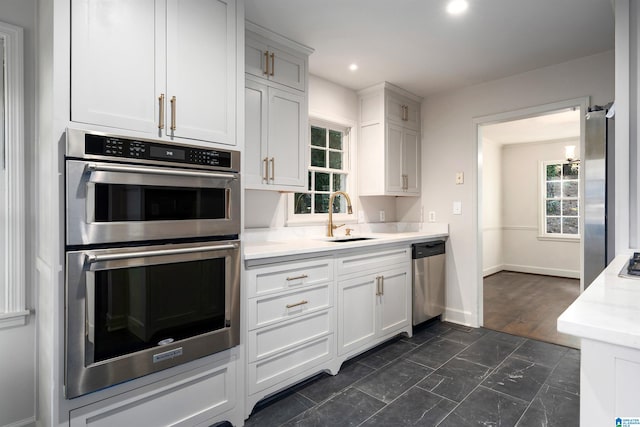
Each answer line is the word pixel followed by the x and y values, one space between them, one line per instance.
pixel 356 313
pixel 254 57
pixel 404 111
pixel 411 161
pixel 287 138
pixel 394 302
pixel 201 69
pixel 113 63
pixel 394 172
pixel 255 145
pixel 287 69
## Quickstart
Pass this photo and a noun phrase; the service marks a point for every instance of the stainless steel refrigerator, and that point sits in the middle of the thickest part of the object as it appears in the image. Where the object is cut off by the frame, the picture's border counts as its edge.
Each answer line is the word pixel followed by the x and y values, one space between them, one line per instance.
pixel 598 199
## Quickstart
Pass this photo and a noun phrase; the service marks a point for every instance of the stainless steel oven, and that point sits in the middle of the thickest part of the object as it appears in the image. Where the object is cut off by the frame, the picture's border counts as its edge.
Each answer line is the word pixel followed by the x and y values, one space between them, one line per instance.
pixel 152 257
pixel 123 190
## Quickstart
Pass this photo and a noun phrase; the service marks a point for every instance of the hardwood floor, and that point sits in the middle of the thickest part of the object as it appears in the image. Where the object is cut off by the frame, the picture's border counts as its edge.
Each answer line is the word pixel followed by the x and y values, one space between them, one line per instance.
pixel 528 305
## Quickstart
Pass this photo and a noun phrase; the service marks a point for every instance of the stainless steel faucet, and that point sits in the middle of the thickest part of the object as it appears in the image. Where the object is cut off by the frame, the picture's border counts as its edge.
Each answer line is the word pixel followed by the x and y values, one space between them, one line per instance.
pixel 332 227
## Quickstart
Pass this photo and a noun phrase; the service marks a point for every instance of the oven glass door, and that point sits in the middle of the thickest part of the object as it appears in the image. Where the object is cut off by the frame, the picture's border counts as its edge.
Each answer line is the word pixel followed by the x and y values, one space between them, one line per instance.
pixel 112 203
pixel 133 308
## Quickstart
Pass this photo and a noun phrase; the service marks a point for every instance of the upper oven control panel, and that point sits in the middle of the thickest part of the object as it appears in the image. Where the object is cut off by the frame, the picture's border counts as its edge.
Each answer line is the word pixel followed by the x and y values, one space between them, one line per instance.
pixel 97 145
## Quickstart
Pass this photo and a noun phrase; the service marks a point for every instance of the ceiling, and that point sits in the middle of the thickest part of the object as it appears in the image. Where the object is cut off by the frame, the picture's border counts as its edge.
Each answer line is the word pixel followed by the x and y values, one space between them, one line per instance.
pixel 558 125
pixel 416 45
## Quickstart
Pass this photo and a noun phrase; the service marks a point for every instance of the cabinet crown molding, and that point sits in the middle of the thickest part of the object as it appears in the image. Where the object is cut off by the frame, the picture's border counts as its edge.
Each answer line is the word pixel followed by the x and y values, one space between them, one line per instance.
pixel 278 38
pixel 391 87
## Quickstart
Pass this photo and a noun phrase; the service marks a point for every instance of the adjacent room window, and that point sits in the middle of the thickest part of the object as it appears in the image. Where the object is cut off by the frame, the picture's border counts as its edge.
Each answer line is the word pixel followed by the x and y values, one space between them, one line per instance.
pixel 560 201
pixel 329 160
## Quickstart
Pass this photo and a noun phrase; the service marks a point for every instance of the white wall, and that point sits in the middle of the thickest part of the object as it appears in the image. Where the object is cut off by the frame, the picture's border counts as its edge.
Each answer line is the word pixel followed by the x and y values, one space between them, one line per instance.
pixel 17 354
pixel 521 181
pixel 329 101
pixel 449 146
pixel 492 260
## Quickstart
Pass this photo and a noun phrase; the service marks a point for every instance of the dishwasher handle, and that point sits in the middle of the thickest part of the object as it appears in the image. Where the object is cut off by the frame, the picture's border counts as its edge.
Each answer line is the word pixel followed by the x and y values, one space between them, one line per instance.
pixel 427 249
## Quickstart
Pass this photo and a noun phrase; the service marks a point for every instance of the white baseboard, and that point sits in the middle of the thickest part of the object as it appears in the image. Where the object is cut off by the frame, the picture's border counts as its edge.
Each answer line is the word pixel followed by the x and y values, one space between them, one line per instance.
pixel 460 317
pixel 572 274
pixel 492 270
pixel 27 422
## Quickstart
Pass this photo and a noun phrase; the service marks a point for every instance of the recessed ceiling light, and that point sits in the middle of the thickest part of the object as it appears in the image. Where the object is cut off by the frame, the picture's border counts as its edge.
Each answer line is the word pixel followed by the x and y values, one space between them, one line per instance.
pixel 456 7
pixel 353 67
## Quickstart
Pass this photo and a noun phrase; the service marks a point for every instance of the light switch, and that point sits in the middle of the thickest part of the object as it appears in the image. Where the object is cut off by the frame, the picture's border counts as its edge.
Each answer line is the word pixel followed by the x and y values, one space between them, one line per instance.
pixel 459 178
pixel 457 208
pixel 432 216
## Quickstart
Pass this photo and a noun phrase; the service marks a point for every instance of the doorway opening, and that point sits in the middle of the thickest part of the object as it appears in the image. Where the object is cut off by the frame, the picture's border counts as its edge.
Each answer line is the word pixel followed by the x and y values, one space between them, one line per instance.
pixel 529 221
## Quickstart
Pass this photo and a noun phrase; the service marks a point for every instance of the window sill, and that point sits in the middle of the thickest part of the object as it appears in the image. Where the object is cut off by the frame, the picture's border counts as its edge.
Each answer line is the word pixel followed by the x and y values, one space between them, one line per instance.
pixel 11 320
pixel 320 221
pixel 568 239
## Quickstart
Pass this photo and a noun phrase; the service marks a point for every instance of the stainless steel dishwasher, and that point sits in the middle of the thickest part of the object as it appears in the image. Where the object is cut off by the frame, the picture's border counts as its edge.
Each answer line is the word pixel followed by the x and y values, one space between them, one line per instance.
pixel 428 280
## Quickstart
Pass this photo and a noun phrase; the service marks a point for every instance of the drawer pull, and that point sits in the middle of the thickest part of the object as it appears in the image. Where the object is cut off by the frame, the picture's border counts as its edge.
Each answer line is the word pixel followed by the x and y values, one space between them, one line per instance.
pixel 302 276
pixel 303 302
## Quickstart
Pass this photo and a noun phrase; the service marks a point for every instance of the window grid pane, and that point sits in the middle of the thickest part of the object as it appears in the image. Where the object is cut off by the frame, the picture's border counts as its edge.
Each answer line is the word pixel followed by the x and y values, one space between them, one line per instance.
pixel 561 201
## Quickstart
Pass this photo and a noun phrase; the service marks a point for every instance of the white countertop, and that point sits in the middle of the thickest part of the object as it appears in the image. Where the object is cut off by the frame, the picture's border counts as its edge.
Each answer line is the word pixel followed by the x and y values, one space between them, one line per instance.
pixel 319 244
pixel 608 310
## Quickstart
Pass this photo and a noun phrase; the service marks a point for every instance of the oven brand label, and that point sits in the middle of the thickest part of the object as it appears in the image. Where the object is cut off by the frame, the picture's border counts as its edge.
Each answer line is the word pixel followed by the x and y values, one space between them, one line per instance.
pixel 167 355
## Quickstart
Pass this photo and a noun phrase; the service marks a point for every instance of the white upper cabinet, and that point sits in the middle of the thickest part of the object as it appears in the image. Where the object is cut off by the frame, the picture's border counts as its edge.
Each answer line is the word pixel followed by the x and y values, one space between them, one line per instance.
pixel 389 143
pixel 276 112
pixel 164 68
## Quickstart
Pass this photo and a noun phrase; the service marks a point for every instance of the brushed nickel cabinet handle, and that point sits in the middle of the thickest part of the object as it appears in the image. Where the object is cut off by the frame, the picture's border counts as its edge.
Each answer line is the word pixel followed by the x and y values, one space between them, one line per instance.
pixel 273 63
pixel 266 169
pixel 381 285
pixel 303 302
pixel 378 291
pixel 161 105
pixel 173 112
pixel 273 168
pixel 302 276
pixel 266 63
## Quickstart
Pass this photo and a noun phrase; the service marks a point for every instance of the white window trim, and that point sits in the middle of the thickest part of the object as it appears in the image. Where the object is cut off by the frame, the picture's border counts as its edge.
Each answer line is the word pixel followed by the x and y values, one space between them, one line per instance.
pixel 321 219
pixel 14 312
pixel 542 226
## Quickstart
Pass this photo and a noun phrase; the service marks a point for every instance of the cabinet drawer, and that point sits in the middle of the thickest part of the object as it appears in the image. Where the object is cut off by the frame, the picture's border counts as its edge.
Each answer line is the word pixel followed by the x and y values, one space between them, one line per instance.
pixel 284 276
pixel 267 310
pixel 270 340
pixel 274 370
pixel 373 261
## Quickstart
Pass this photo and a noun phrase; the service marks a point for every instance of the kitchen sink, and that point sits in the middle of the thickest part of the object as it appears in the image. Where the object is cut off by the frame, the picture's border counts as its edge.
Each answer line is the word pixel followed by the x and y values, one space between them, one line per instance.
pixel 348 239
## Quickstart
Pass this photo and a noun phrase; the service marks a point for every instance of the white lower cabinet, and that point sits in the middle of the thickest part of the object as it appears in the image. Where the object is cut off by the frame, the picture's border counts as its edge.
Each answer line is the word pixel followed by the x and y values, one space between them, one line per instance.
pixel 290 324
pixel 374 301
pixel 202 398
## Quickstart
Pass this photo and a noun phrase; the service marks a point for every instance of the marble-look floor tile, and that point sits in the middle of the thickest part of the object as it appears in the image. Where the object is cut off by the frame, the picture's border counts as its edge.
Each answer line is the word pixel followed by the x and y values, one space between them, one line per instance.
pixel 416 407
pixel 279 411
pixel 455 379
pixel 552 407
pixel 435 353
pixel 328 385
pixel 518 378
pixel 485 407
pixel 349 408
pixel 464 337
pixel 489 351
pixel 421 336
pixel 541 353
pixel 391 381
pixel 566 375
pixel 386 353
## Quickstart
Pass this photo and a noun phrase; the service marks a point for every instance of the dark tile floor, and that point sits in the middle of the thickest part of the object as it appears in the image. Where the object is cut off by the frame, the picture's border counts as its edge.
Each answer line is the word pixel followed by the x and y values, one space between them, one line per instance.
pixel 445 375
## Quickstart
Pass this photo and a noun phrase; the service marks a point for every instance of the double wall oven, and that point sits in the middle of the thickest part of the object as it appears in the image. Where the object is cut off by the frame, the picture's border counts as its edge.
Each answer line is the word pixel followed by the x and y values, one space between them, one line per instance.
pixel 152 257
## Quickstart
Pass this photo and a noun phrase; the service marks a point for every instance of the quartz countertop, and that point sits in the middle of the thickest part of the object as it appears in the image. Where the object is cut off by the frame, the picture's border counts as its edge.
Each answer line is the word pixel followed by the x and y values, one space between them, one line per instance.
pixel 319 244
pixel 608 310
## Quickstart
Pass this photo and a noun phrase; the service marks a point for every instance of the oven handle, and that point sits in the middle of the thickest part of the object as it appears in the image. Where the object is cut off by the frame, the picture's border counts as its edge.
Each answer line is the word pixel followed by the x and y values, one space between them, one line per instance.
pixel 92 258
pixel 94 167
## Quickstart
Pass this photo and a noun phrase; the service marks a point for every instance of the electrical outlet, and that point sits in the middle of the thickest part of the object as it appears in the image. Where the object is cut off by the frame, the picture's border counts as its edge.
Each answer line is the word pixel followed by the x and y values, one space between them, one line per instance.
pixel 421 213
pixel 381 216
pixel 360 216
pixel 432 216
pixel 457 208
pixel 459 178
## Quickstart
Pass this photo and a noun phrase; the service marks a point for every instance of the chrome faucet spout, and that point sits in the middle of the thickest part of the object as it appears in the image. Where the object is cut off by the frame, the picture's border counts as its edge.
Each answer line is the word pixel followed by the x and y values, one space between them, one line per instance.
pixel 330 226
